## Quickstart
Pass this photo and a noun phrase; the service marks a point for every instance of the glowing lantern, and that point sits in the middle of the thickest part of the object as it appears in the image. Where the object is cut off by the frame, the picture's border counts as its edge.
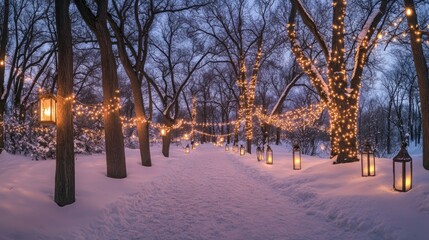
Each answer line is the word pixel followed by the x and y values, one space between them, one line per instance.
pixel 187 149
pixel 259 154
pixel 186 137
pixel 403 170
pixel 48 109
pixel 235 148
pixel 296 157
pixel 226 147
pixel 193 146
pixel 269 155
pixel 242 150
pixel 1 62
pixel 163 132
pixel 367 161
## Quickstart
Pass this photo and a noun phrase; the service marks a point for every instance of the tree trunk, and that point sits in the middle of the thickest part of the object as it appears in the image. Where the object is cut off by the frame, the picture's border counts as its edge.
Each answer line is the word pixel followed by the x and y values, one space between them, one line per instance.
pixel 115 153
pixel 65 170
pixel 166 140
pixel 3 44
pixel 278 135
pixel 343 133
pixel 422 76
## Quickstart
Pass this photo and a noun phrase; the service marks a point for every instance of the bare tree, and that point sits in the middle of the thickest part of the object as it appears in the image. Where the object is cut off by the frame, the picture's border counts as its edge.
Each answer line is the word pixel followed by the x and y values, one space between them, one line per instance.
pixel 115 154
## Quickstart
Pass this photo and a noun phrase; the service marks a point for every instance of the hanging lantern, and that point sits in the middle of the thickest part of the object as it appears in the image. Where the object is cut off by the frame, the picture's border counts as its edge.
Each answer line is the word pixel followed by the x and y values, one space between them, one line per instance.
pixel 367 161
pixel 48 109
pixel 259 154
pixel 242 150
pixel 402 170
pixel 226 147
pixel 269 155
pixel 296 156
pixel 187 149
pixel 163 132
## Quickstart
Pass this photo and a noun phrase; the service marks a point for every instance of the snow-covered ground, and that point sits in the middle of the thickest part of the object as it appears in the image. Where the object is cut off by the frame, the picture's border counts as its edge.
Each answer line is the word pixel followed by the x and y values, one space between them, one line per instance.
pixel 212 194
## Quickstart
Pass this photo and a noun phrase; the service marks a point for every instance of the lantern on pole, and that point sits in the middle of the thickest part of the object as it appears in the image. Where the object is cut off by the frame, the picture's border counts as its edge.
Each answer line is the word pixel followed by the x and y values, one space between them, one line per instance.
pixel 259 154
pixel 269 156
pixel 296 157
pixel 402 170
pixel 367 161
pixel 242 150
pixel 48 109
pixel 163 132
pixel 187 149
pixel 226 147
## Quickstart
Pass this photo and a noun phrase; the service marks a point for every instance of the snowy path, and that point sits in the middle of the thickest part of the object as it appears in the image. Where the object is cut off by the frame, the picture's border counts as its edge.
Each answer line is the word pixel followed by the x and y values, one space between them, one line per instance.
pixel 208 197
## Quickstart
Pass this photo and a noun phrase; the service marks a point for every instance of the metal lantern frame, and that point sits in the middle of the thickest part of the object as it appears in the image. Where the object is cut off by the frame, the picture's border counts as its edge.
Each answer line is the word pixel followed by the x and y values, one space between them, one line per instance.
pixel 242 150
pixel 269 155
pixel 226 147
pixel 259 154
pixel 235 148
pixel 367 159
pixel 296 157
pixel 403 170
pixel 47 109
pixel 187 149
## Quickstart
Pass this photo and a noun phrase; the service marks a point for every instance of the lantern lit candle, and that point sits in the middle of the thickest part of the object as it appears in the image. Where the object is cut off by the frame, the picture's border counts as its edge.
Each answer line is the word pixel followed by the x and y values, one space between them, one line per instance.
pixel 47 109
pixel 242 150
pixel 367 161
pixel 259 154
pixel 187 149
pixel 402 170
pixel 226 147
pixel 269 156
pixel 296 156
pixel 163 132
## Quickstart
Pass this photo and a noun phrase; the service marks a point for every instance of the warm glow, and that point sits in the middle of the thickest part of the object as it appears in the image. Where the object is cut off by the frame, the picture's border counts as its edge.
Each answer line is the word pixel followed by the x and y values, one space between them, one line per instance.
pixel 47 112
pixel 409 12
pixel 1 63
pixel 379 35
pixel 163 132
pixel 297 162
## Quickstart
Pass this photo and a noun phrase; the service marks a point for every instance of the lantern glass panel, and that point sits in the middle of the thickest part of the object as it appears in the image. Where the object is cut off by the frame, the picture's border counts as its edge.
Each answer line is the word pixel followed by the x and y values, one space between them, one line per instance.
pixel 403 180
pixel 226 147
pixel 296 158
pixel 242 150
pixel 367 161
pixel 187 149
pixel 163 132
pixel 269 156
pixel 47 109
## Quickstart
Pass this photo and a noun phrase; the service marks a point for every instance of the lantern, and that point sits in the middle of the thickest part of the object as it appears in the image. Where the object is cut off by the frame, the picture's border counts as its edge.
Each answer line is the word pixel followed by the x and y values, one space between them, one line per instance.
pixel 187 149
pixel 296 157
pixel 235 148
pixel 186 136
pixel 269 155
pixel 193 145
pixel 402 170
pixel 367 161
pixel 226 147
pixel 242 150
pixel 48 109
pixel 163 132
pixel 259 154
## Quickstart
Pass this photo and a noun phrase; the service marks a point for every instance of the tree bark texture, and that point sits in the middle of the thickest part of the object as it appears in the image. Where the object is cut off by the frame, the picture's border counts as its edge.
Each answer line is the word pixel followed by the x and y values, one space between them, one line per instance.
pixel 3 44
pixel 115 153
pixel 65 169
pixel 422 76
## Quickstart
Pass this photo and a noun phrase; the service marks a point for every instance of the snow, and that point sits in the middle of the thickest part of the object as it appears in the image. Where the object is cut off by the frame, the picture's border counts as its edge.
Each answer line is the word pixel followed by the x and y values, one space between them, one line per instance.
pixel 212 194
